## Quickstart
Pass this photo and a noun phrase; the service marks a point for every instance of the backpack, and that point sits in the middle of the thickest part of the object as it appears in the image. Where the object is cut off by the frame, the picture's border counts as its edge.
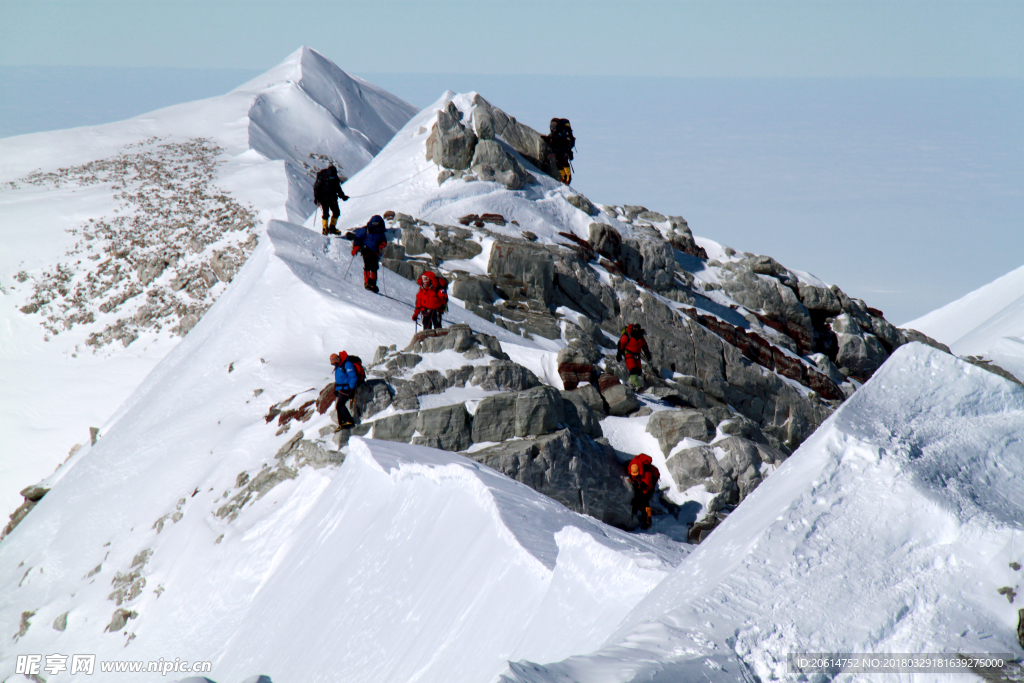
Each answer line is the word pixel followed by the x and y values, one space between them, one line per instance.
pixel 565 130
pixel 442 287
pixel 357 363
pixel 320 184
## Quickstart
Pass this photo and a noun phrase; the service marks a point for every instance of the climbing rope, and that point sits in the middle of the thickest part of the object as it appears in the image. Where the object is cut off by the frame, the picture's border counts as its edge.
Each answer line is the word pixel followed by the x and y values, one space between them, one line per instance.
pixel 369 194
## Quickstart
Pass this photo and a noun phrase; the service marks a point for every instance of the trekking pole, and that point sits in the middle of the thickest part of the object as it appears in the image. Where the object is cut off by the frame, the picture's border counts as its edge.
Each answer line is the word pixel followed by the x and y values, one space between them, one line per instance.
pixel 353 258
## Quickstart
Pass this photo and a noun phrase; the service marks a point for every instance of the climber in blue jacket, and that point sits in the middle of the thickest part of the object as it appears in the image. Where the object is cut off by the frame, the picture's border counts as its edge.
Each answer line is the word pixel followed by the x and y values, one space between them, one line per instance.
pixel 348 375
pixel 370 241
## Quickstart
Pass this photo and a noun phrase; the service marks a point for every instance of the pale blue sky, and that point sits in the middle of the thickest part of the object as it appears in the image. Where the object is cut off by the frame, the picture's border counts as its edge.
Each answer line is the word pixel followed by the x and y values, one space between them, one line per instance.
pixel 690 38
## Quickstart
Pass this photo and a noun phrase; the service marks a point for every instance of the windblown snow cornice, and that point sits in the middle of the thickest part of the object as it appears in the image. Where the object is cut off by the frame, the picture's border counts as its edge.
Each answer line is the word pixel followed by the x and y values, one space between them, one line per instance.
pixel 311 112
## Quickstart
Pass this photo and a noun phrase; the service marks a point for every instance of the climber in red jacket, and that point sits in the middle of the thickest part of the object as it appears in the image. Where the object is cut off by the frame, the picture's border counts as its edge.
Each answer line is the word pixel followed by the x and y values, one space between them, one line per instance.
pixel 632 345
pixel 643 475
pixel 431 301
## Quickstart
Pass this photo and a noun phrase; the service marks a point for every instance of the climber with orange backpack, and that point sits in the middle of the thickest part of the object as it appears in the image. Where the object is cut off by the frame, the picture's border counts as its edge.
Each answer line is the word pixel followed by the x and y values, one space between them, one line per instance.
pixel 431 300
pixel 348 376
pixel 633 344
pixel 643 475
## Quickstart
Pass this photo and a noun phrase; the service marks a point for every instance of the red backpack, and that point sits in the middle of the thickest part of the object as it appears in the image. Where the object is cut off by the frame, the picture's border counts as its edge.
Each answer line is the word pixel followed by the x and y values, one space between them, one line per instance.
pixel 357 363
pixel 442 292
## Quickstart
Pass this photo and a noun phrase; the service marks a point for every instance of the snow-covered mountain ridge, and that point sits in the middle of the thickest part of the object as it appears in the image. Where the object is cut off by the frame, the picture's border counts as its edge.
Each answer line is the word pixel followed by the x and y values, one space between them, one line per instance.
pixel 222 483
pixel 119 237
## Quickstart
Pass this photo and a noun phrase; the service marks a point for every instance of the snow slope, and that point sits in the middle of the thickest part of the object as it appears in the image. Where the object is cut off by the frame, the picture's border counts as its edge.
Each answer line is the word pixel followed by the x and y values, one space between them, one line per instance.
pixel 53 388
pixel 889 530
pixel 988 322
pixel 402 563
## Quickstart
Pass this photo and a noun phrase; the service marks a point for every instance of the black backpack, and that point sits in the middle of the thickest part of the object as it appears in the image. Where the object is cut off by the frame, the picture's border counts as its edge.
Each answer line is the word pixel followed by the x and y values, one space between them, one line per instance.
pixel 320 184
pixel 562 132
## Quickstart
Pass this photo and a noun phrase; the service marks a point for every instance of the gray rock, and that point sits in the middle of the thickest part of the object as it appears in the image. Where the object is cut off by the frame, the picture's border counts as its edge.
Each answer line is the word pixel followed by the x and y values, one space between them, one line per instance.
pixel 152 269
pixel 492 163
pixel 61 622
pixel 582 203
pixel 633 212
pixel 579 351
pixel 577 287
pixel 475 289
pixel 827 367
pixel 767 295
pixel 398 427
pixel 491 122
pixel 652 216
pixel 538 411
pixel 846 324
pixel 819 299
pixel 576 471
pixel 451 144
pixel 491 419
pixel 120 619
pixel 413 241
pixel 621 400
pixel 371 398
pixel 394 251
pixel 890 337
pixel 578 416
pixel 606 241
pixel 530 266
pixel 504 375
pixel 859 355
pixel 670 427
pixel 693 466
pixel 658 265
pixel 453 243
pixel 447 428
pixel 592 397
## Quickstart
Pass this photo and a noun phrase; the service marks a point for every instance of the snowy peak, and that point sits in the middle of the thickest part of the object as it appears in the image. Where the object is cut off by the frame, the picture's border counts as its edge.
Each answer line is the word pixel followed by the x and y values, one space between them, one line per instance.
pixel 315 114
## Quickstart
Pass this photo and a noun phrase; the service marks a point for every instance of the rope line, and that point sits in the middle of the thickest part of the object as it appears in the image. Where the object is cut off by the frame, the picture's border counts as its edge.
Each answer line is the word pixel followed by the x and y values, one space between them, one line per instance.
pixel 369 194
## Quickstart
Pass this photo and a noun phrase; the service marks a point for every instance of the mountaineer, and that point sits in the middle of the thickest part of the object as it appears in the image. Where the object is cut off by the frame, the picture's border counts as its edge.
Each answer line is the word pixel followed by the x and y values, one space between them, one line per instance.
pixel 348 375
pixel 633 344
pixel 560 145
pixel 370 241
pixel 643 475
pixel 326 192
pixel 431 300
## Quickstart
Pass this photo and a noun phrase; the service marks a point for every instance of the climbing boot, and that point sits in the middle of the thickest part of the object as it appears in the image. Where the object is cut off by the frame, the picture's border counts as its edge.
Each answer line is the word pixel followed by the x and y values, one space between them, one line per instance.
pixel 637 383
pixel 325 232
